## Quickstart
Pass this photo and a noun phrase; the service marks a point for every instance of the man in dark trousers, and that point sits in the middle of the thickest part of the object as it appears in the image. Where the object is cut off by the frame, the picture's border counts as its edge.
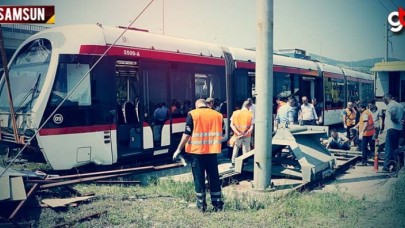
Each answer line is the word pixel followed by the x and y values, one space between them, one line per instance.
pixel 393 126
pixel 202 140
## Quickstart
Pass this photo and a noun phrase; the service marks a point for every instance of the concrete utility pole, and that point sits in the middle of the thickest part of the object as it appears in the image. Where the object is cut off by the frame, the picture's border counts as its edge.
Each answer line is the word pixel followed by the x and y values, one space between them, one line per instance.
pixel 264 98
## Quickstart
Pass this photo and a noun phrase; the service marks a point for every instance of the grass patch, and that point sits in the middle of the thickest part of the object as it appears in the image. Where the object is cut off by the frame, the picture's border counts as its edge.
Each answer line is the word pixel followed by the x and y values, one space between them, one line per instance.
pixel 165 204
pixel 26 166
pixel 398 199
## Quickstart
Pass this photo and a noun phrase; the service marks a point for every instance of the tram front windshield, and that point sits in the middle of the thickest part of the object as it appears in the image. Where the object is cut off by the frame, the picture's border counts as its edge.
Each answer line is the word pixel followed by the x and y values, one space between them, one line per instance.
pixel 27 74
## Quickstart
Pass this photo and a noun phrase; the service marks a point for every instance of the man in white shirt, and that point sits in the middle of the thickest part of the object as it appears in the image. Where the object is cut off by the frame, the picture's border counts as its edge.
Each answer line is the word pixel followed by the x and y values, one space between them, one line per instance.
pixel 393 126
pixel 307 114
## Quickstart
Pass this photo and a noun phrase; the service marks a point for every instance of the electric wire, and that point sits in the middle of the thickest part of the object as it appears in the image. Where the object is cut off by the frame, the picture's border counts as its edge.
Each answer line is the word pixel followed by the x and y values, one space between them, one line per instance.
pixel 383 6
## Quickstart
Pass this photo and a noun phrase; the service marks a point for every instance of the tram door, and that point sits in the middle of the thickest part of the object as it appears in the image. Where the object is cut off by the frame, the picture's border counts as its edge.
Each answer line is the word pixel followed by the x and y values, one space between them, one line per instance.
pixel 156 103
pixel 129 137
pixel 308 87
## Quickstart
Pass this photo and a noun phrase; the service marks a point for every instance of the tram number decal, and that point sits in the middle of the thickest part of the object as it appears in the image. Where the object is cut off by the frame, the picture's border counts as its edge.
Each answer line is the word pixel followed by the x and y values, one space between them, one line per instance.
pixel 58 118
pixel 132 53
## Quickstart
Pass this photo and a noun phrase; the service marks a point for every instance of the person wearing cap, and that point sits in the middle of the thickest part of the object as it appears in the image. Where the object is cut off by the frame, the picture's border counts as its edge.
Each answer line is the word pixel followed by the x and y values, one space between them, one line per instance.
pixel 202 140
pixel 242 126
pixel 210 102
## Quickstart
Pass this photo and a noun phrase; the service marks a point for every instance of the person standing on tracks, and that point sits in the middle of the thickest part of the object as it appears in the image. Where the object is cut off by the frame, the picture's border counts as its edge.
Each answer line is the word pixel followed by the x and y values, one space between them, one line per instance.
pixel 307 114
pixel 366 131
pixel 252 109
pixel 285 114
pixel 210 103
pixel 202 140
pixel 393 126
pixel 318 110
pixel 349 119
pixel 242 126
pixel 377 118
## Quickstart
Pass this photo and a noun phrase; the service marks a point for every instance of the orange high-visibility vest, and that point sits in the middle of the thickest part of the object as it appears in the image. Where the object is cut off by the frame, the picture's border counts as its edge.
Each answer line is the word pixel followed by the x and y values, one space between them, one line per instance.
pixel 242 120
pixel 350 117
pixel 281 103
pixel 206 137
pixel 370 130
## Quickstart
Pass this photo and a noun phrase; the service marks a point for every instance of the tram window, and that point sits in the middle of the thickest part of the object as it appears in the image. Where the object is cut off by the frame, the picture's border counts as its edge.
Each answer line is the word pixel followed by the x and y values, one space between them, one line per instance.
pixel 242 87
pixel 353 90
pixel 296 88
pixel 334 92
pixel 217 85
pixel 202 83
pixel 155 84
pixel 181 86
pixel 122 93
pixel 282 85
pixel 319 91
pixel 127 89
pixel 366 91
pixel 68 76
pixel 27 74
pixel 252 81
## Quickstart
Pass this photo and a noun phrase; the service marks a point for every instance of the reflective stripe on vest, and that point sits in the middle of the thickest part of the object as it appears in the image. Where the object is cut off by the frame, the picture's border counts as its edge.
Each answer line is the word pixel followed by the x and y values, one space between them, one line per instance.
pixel 350 117
pixel 370 130
pixel 242 120
pixel 206 137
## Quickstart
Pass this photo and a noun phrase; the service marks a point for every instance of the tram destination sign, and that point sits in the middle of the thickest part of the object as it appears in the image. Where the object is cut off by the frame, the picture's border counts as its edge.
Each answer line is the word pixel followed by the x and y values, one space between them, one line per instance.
pixel 27 14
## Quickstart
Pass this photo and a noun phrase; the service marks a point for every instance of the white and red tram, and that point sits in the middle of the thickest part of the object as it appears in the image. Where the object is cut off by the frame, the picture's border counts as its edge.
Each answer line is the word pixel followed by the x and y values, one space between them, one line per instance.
pixel 110 115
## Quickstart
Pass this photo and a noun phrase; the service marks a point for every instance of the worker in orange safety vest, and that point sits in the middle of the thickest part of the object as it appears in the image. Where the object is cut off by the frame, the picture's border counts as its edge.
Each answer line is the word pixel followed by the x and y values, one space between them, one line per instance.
pixel 202 140
pixel 242 126
pixel 366 132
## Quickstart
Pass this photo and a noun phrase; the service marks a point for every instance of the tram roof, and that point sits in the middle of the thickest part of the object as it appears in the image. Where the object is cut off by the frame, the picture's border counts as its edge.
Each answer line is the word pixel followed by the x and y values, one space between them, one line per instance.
pixel 250 56
pixel 160 42
pixel 65 38
pixel 330 68
pixel 357 74
pixel 293 62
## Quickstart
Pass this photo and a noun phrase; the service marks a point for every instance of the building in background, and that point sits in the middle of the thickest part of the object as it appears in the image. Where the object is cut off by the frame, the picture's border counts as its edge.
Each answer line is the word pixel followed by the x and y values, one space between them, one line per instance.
pixel 294 53
pixel 389 78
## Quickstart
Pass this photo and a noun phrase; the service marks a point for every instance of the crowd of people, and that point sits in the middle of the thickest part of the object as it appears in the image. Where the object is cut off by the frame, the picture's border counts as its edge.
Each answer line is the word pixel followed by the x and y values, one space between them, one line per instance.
pixel 362 120
pixel 292 112
pixel 363 123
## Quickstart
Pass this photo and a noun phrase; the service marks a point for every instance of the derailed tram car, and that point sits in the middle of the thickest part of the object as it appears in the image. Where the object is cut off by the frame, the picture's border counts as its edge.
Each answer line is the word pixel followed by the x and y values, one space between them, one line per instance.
pixel 110 114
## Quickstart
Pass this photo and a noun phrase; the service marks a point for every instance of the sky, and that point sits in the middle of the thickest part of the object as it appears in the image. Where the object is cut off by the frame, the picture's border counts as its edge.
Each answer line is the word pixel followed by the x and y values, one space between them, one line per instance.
pixel 345 30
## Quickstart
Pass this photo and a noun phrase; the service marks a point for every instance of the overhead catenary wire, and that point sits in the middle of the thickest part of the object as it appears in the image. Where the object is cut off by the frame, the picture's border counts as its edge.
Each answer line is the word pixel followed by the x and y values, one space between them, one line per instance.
pixel 74 88
pixel 383 5
pixel 395 5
